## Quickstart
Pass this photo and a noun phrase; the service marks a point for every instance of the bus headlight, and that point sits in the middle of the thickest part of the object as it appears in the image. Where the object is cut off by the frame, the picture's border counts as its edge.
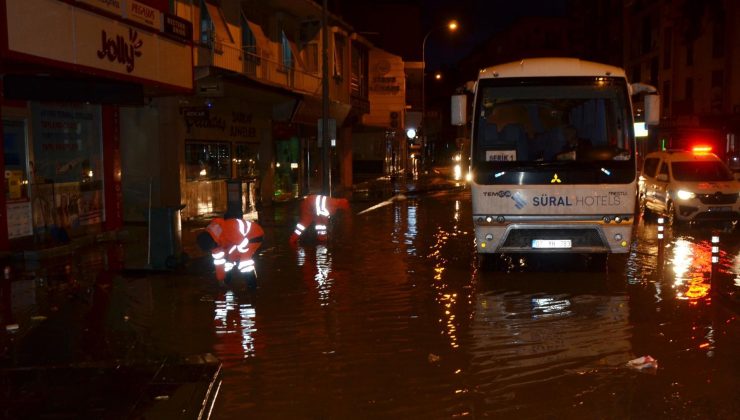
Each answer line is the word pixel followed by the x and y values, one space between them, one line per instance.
pixel 685 195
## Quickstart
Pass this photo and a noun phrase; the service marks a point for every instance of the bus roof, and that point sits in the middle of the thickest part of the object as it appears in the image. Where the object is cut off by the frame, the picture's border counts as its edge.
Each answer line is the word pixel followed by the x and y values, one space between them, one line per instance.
pixel 550 66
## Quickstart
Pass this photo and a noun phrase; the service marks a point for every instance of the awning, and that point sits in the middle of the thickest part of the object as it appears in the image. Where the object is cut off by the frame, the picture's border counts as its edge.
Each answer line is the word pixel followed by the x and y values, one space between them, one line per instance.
pixel 308 111
pixel 297 56
pixel 219 23
pixel 263 43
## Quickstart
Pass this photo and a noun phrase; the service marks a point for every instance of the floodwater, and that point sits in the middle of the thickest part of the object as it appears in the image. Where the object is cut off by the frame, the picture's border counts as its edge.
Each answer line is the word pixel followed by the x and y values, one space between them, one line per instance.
pixel 393 318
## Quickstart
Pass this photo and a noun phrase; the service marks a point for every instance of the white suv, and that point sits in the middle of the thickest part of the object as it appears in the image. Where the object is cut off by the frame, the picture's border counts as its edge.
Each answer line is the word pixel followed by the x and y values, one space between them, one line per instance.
pixel 689 186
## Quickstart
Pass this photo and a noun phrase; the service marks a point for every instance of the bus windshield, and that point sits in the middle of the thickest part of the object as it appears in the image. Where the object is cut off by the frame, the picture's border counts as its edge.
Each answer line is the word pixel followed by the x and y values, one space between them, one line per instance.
pixel 555 120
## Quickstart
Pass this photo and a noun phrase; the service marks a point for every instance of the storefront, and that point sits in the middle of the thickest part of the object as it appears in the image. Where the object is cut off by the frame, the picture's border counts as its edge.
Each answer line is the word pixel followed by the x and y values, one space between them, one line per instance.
pixel 60 108
pixel 223 136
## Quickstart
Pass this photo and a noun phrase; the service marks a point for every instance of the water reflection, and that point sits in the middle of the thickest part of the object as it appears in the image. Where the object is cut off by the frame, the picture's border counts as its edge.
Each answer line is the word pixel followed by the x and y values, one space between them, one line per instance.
pixel 691 265
pixel 404 226
pixel 235 326
pixel 316 264
pixel 448 293
pixel 525 340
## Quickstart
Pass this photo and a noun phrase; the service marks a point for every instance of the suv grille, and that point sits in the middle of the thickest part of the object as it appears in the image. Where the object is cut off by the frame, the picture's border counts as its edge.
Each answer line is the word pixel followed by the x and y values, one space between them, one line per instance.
pixel 718 198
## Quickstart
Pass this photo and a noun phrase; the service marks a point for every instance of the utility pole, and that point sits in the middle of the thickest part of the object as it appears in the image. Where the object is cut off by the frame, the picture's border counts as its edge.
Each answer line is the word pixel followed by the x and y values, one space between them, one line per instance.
pixel 325 146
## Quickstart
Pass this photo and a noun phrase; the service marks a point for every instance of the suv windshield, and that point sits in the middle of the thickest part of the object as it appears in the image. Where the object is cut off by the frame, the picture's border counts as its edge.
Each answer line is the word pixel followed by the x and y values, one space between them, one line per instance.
pixel 700 171
pixel 555 119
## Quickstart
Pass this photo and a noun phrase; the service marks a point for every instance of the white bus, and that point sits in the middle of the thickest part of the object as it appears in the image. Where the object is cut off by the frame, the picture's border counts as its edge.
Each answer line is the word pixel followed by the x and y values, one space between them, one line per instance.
pixel 553 162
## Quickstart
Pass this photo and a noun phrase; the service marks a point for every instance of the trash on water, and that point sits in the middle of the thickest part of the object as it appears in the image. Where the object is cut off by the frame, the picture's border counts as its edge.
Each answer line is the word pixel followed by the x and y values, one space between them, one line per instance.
pixel 644 362
pixel 433 358
pixel 38 318
pixel 12 327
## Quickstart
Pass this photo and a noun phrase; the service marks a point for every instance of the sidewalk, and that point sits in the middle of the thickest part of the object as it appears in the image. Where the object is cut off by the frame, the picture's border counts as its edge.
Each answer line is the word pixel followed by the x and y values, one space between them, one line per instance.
pixel 45 293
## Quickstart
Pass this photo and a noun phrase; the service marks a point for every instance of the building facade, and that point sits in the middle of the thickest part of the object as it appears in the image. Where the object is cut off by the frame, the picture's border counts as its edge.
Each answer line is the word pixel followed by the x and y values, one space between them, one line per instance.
pixel 691 52
pixel 143 107
pixel 68 69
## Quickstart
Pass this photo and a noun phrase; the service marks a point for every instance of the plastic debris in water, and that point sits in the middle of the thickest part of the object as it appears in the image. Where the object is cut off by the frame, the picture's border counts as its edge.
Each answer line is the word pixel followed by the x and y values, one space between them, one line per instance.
pixel 433 358
pixel 644 362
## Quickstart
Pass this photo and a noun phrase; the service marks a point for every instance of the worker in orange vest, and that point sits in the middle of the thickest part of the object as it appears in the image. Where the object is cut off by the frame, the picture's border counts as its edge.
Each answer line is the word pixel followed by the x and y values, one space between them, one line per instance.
pixel 232 242
pixel 316 210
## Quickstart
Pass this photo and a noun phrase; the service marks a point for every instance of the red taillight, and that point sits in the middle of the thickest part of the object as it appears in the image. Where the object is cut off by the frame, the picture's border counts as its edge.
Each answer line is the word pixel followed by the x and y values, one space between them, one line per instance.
pixel 701 150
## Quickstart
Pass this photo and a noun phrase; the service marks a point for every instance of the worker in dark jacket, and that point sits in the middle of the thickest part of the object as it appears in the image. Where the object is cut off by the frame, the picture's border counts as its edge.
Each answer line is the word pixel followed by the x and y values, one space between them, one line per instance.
pixel 232 242
pixel 317 210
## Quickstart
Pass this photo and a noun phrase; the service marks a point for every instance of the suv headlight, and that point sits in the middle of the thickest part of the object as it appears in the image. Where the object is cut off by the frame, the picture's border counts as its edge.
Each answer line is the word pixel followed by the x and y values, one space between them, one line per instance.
pixel 685 195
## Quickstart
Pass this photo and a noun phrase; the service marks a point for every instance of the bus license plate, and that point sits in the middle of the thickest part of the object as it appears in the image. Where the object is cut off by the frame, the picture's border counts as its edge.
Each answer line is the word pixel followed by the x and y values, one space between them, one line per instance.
pixel 551 243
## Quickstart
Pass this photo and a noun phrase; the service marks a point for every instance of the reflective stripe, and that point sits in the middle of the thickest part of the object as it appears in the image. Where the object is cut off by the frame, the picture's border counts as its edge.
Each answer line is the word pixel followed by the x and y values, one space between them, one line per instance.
pixel 219 261
pixel 229 266
pixel 246 266
pixel 219 254
pixel 321 206
pixel 322 227
pixel 232 249
pixel 242 247
pixel 301 227
pixel 298 232
pixel 241 227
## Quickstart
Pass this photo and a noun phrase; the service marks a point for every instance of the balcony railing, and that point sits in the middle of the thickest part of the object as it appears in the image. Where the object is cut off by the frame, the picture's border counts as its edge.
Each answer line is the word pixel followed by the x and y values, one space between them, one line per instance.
pixel 255 65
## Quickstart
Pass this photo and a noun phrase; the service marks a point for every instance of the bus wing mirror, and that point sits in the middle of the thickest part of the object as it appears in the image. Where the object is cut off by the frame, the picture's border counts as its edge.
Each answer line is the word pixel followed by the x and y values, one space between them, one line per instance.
pixel 652 109
pixel 458 115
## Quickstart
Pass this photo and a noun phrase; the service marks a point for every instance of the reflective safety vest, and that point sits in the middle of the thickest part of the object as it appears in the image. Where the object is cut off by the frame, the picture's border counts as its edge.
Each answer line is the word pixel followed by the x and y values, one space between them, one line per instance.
pixel 237 240
pixel 318 209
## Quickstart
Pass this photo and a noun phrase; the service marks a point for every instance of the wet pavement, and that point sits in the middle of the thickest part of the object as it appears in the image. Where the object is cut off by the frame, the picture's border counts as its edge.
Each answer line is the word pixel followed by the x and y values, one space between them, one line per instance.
pixel 92 328
pixel 392 318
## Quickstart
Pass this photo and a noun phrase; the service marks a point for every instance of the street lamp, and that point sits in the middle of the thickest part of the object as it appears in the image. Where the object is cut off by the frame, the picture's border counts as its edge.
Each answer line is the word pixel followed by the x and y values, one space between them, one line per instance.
pixel 452 27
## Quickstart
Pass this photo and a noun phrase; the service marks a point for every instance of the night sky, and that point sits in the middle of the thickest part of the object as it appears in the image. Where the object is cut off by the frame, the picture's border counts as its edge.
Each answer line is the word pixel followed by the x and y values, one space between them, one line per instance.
pixel 478 19
pixel 398 26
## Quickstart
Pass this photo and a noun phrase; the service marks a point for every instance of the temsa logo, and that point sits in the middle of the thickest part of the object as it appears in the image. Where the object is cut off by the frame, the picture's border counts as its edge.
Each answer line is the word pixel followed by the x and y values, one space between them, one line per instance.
pixel 118 49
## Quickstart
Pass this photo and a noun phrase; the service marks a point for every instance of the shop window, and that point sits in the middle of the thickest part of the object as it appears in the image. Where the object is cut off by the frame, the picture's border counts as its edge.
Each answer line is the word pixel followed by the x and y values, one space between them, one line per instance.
pixel 14 146
pixel 68 157
pixel 245 160
pixel 207 161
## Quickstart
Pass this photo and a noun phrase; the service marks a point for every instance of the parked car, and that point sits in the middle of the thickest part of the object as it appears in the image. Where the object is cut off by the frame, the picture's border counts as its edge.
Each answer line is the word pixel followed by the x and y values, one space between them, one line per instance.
pixel 689 186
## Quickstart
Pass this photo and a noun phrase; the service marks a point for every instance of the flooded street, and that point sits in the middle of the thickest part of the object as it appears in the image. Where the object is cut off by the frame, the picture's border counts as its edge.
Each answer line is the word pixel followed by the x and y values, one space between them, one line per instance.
pixel 393 318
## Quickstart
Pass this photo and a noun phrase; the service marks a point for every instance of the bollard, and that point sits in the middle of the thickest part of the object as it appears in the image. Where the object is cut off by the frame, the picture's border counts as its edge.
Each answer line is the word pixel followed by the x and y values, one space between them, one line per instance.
pixel 715 257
